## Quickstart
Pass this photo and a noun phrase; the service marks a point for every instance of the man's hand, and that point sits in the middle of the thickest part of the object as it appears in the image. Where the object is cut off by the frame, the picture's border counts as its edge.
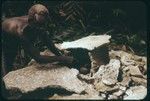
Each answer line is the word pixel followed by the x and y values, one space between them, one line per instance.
pixel 67 59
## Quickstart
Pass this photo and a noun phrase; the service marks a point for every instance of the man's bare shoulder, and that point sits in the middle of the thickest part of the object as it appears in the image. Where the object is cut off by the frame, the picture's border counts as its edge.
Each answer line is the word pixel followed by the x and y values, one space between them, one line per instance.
pixel 14 24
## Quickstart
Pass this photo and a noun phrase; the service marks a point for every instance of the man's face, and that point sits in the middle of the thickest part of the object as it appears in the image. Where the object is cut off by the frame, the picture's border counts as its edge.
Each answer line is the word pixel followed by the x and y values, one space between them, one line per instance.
pixel 41 18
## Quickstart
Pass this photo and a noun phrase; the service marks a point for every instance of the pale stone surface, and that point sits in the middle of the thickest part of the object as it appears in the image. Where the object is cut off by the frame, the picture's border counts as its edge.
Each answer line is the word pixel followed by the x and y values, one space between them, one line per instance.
pixel 103 95
pixel 104 88
pixel 108 74
pixel 77 97
pixel 119 93
pixel 109 81
pixel 136 93
pixel 91 93
pixel 99 73
pixel 134 70
pixel 112 97
pixel 89 42
pixel 122 88
pixel 111 74
pixel 33 77
pixel 140 81
pixel 125 58
pixel 125 82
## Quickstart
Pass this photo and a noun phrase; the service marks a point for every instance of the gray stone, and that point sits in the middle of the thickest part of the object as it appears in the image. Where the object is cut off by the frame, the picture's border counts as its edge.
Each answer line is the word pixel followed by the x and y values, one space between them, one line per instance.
pixel 111 73
pixel 140 81
pixel 125 82
pixel 41 76
pixel 104 88
pixel 134 70
pixel 136 93
pixel 118 93
pixel 89 42
pixel 125 58
pixel 76 97
pixel 112 97
pixel 122 88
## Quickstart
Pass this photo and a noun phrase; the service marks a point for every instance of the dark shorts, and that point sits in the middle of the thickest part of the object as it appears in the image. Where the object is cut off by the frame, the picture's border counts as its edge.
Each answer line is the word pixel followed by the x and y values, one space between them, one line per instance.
pixel 9 50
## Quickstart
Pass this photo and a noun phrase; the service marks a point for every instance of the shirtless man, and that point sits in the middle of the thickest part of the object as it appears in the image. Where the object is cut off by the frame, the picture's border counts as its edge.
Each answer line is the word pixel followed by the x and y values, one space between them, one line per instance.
pixel 22 31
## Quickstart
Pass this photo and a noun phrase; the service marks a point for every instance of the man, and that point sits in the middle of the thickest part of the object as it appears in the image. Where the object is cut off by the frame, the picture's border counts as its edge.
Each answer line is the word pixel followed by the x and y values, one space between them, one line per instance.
pixel 23 31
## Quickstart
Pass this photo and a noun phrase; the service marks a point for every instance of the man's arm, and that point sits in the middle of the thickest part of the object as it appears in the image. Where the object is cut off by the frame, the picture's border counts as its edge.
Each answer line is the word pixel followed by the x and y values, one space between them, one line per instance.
pixel 48 41
pixel 35 53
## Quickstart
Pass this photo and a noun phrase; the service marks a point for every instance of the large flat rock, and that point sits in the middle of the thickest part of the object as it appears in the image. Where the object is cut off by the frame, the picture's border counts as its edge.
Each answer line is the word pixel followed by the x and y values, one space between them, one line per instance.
pixel 41 76
pixel 89 42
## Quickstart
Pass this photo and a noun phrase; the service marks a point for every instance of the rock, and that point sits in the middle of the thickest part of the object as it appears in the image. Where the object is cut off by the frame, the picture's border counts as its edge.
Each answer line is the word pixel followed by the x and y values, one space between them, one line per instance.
pixel 99 73
pixel 114 54
pixel 91 91
pixel 33 77
pixel 84 70
pixel 89 42
pixel 77 97
pixel 86 78
pixel 140 59
pixel 134 70
pixel 125 69
pixel 125 82
pixel 122 88
pixel 112 97
pixel 136 93
pixel 104 88
pixel 119 93
pixel 103 95
pixel 32 62
pixel 140 81
pixel 111 73
pixel 125 58
pixel 145 68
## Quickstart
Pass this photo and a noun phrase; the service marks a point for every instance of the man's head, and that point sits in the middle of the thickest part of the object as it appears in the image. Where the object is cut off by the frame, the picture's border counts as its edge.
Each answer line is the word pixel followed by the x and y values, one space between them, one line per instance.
pixel 38 15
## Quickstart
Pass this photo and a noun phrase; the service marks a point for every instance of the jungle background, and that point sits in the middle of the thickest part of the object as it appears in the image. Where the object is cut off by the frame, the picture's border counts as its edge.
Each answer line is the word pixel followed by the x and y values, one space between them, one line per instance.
pixel 125 21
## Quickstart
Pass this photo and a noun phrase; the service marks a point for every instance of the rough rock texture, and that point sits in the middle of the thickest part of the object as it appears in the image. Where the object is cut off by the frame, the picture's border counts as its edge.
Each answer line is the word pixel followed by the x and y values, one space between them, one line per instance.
pixel 33 77
pixel 111 72
pixel 101 87
pixel 134 71
pixel 139 81
pixel 106 76
pixel 77 97
pixel 90 93
pixel 136 93
pixel 125 82
pixel 124 77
